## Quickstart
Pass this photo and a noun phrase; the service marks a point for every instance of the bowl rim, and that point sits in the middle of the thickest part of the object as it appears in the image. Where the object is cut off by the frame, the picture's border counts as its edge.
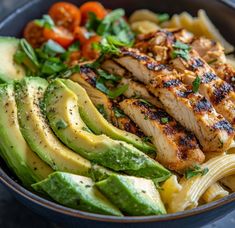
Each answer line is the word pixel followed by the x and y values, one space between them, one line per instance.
pixel 8 182
pixel 33 198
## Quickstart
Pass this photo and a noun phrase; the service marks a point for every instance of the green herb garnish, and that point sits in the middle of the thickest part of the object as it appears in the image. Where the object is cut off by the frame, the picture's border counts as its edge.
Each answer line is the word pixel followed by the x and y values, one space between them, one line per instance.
pixel 45 22
pixel 92 22
pixel 181 45
pixel 61 124
pixel 74 47
pixel 26 56
pixel 164 120
pixel 180 50
pixel 196 171
pixel 107 76
pixel 101 110
pixel 106 23
pixel 180 53
pixel 118 112
pixel 117 92
pixel 145 102
pixel 52 48
pixel 163 17
pixel 196 84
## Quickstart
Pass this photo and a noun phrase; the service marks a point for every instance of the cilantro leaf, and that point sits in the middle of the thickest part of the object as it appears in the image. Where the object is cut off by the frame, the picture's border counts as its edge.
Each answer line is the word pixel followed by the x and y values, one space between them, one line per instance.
pixel 45 22
pixel 107 76
pixel 92 22
pixel 74 47
pixel 196 171
pixel 118 112
pixel 181 45
pixel 117 92
pixel 50 67
pixel 52 48
pixel 106 23
pixel 164 120
pixel 196 84
pixel 145 102
pixel 163 17
pixel 180 53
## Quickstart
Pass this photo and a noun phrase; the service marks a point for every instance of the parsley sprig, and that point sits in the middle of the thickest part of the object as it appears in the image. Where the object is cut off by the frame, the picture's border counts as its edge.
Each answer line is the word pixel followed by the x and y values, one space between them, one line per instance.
pixel 196 171
pixel 49 61
pixel 45 22
pixel 180 50
pixel 196 84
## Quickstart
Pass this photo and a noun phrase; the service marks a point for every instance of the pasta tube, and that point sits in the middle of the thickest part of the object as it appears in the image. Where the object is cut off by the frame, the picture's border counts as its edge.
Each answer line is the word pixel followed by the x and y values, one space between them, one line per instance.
pixel 229 182
pixel 143 15
pixel 144 27
pixel 193 188
pixel 214 192
pixel 168 189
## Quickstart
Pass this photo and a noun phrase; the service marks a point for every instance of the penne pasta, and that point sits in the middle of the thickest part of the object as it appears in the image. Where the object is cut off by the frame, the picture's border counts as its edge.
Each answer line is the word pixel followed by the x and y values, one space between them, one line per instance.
pixel 144 27
pixel 168 189
pixel 214 192
pixel 229 182
pixel 193 188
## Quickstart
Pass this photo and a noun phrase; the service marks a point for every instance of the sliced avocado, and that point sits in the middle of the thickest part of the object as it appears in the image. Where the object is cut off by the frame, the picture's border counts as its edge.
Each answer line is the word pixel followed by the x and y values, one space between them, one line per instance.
pixel 63 115
pixel 133 195
pixel 9 70
pixel 99 99
pixel 20 158
pixel 98 124
pixel 37 133
pixel 77 192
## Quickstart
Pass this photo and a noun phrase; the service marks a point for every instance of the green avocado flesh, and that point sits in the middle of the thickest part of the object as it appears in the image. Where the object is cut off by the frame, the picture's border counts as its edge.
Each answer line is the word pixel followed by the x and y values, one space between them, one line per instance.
pixel 77 192
pixel 101 125
pixel 9 70
pixel 63 115
pixel 14 149
pixel 132 195
pixel 37 133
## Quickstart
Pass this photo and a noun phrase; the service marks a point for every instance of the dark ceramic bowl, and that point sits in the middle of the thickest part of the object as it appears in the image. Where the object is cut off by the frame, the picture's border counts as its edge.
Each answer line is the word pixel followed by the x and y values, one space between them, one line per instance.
pixel 223 15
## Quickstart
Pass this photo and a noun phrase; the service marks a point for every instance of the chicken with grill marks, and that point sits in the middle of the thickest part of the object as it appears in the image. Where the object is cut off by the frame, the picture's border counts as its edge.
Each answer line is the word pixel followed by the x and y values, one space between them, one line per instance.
pixel 213 53
pixel 177 148
pixel 135 89
pixel 109 109
pixel 216 90
pixel 191 109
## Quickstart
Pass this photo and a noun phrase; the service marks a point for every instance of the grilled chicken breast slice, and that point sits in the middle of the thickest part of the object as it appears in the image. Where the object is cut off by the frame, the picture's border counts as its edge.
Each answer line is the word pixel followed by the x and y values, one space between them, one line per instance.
pixel 113 68
pixel 177 148
pixel 109 109
pixel 213 53
pixel 209 50
pixel 216 90
pixel 138 90
pixel 226 72
pixel 159 44
pixel 192 110
pixel 135 89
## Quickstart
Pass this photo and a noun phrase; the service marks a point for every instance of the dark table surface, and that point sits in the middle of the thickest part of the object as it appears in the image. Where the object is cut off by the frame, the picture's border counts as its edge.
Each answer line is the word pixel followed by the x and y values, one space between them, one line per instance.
pixel 15 215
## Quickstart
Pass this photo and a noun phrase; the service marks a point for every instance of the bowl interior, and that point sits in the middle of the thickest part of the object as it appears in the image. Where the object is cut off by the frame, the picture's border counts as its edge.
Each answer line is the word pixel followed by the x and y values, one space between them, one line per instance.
pixel 221 15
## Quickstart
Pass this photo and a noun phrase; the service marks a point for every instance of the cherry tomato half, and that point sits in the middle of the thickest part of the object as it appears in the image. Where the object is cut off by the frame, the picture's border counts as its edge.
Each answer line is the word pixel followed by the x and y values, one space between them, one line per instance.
pixel 87 49
pixel 80 33
pixel 65 14
pixel 94 7
pixel 34 34
pixel 60 35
